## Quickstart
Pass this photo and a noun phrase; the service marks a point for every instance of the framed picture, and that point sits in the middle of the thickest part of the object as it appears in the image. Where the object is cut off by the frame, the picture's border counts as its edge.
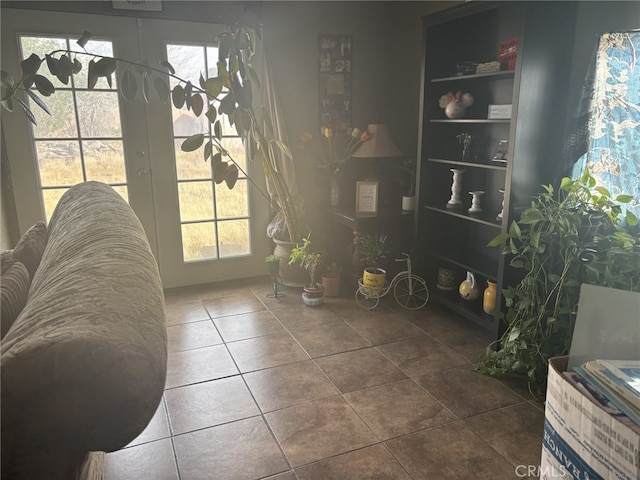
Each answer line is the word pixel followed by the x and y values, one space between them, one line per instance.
pixel 366 198
pixel 501 152
pixel 335 81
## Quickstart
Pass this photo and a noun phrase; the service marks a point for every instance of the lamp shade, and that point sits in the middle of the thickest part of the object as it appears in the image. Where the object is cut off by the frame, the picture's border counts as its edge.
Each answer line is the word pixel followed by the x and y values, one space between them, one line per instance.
pixel 380 144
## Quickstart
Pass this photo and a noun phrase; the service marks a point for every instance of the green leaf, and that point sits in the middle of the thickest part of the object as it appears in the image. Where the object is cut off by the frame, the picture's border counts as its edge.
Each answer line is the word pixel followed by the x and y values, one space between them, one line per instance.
pixel 52 64
pixel 7 104
pixel 231 177
pixel 105 67
pixel 38 101
pixel 196 104
pixel 65 66
pixel 217 130
pixel 84 39
pixel 177 96
pixel 44 85
pixel 128 85
pixel 220 172
pixel 192 143
pixel 531 217
pixel 565 183
pixel 168 66
pixel 27 111
pixel 514 230
pixel 624 198
pixel 213 86
pixel 227 104
pixel 92 78
pixel 6 83
pixel 253 76
pixel 498 239
pixel 283 148
pixel 162 89
pixel 77 66
pixel 603 191
pixel 207 150
pixel 30 66
pixel 211 114
pixel 631 219
pixel 216 159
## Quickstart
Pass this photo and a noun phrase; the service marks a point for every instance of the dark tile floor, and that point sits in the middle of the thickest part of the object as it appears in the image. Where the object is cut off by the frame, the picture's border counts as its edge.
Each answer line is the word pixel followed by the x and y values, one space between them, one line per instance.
pixel 259 388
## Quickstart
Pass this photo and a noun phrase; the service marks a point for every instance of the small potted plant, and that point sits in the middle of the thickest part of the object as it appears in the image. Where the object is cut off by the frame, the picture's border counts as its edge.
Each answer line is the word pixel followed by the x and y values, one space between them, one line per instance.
pixel 372 249
pixel 304 255
pixel 331 280
pixel 408 199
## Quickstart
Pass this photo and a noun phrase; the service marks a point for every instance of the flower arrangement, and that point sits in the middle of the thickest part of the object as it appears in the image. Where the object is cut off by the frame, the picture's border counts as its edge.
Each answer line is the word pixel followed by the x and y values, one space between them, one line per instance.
pixel 335 148
pixel 455 104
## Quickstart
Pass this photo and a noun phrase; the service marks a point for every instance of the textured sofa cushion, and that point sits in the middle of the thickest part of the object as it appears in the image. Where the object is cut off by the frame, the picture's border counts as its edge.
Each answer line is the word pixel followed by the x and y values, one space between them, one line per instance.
pixel 14 283
pixel 84 365
pixel 30 247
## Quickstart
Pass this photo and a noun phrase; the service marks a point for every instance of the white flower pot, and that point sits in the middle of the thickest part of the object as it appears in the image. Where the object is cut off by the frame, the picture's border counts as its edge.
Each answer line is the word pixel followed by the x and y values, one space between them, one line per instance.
pixel 408 203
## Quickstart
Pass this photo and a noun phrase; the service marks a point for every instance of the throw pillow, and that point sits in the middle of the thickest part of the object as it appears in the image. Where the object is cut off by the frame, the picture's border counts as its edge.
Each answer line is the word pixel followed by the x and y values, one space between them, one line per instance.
pixel 13 294
pixel 29 249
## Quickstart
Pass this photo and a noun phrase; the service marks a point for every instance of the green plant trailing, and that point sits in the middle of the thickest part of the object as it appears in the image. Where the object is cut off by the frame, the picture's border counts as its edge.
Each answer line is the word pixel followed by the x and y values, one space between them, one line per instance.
pixel 304 255
pixel 577 234
pixel 228 94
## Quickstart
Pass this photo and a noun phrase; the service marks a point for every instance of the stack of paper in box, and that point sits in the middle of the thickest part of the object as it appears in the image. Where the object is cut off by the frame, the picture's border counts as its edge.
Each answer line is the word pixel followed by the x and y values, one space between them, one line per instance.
pixel 618 381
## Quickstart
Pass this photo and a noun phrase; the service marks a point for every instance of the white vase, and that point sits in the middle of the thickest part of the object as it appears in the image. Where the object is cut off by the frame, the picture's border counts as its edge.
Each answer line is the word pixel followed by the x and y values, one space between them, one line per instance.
pixel 475 201
pixel 456 188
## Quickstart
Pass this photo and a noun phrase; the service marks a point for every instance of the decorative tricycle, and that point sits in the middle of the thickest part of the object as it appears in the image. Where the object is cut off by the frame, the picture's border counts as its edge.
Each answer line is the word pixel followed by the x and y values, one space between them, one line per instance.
pixel 409 290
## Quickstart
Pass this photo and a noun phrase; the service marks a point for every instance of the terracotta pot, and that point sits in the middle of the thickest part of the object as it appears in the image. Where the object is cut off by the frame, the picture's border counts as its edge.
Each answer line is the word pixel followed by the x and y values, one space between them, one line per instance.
pixel 331 282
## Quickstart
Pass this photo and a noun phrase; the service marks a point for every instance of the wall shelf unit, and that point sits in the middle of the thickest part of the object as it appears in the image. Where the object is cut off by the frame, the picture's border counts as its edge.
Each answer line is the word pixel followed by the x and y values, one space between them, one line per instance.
pixel 536 89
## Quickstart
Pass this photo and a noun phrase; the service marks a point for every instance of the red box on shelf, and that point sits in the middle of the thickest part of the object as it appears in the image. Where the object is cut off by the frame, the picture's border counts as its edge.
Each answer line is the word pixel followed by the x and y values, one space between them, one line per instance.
pixel 508 53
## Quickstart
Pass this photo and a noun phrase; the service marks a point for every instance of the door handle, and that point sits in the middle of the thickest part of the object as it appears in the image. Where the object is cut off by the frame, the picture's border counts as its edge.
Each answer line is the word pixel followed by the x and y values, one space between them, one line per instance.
pixel 142 172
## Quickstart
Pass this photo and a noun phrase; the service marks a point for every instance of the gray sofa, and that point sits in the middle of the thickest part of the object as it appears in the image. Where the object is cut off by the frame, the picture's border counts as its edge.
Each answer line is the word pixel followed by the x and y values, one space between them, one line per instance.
pixel 84 363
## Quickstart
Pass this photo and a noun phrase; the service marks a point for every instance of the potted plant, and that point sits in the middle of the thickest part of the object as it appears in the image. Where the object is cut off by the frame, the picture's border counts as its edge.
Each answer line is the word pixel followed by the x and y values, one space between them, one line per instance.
pixel 408 199
pixel 331 280
pixel 553 244
pixel 226 97
pixel 372 249
pixel 305 256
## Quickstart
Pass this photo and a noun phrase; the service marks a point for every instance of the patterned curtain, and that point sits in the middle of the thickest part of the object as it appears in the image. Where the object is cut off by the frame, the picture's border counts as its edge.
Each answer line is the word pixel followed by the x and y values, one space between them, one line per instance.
pixel 613 140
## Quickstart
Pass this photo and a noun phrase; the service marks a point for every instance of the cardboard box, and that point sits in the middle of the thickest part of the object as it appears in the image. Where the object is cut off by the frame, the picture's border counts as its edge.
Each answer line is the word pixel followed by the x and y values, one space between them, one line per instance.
pixel 581 440
pixel 499 112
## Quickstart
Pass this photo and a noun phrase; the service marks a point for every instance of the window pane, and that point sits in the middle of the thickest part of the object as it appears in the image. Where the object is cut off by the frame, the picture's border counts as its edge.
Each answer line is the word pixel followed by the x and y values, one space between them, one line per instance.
pixel 191 165
pixel 62 121
pixel 232 203
pixel 40 46
pixel 212 62
pixel 51 198
pixel 122 190
pixel 59 163
pixel 234 235
pixel 99 114
pixel 196 201
pixel 236 150
pixel 198 241
pixel 100 48
pixel 188 60
pixel 104 161
pixel 185 122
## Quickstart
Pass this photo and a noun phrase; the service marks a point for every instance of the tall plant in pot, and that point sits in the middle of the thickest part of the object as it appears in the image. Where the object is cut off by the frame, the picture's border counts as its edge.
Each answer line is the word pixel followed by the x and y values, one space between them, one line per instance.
pixel 304 255
pixel 228 96
pixel 567 237
pixel 372 250
pixel 408 168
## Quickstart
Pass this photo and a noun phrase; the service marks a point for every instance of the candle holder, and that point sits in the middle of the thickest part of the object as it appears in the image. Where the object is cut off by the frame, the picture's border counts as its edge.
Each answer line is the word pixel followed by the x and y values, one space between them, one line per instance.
pixel 456 188
pixel 475 201
pixel 501 214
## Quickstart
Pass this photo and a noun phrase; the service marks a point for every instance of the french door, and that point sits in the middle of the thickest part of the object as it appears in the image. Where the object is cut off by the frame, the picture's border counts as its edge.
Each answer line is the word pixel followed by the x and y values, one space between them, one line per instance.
pixel 199 231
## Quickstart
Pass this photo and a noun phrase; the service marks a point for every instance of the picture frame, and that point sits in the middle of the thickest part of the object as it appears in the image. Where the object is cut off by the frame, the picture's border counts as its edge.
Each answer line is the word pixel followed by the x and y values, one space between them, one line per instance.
pixel 367 198
pixel 501 152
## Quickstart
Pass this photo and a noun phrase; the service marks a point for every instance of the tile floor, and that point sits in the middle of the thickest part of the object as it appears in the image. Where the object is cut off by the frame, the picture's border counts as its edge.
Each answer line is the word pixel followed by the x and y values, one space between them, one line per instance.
pixel 258 388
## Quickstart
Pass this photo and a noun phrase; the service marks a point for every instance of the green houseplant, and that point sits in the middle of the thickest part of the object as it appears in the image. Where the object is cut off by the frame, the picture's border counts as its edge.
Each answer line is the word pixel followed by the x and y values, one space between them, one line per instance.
pixel 408 168
pixel 308 258
pixel 229 94
pixel 373 249
pixel 567 237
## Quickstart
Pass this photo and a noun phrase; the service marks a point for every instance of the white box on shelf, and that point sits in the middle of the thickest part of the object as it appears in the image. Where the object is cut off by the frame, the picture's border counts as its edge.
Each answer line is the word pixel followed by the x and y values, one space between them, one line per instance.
pixel 499 112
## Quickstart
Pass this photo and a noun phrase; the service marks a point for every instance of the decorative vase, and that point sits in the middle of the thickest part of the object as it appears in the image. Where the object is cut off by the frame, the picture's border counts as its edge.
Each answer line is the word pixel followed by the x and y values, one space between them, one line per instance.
pixel 334 192
pixel 454 110
pixel 331 282
pixel 446 279
pixel 489 298
pixel 500 215
pixel 456 188
pixel 475 201
pixel 466 152
pixel 408 203
pixel 469 288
